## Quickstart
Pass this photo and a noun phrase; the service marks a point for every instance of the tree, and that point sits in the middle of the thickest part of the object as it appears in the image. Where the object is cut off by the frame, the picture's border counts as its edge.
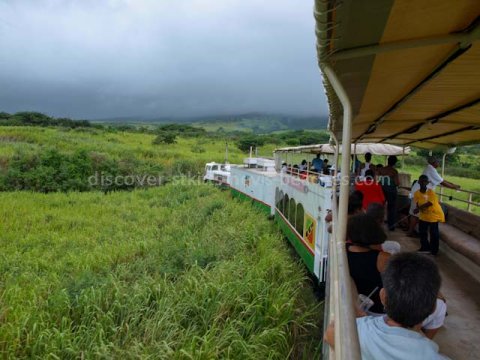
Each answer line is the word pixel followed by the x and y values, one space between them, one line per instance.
pixel 248 141
pixel 165 138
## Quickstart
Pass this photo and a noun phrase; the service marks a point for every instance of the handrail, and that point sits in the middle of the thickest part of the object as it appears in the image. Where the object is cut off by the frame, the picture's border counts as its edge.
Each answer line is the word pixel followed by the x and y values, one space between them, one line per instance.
pixel 346 336
pixel 465 191
pixel 332 279
pixel 469 202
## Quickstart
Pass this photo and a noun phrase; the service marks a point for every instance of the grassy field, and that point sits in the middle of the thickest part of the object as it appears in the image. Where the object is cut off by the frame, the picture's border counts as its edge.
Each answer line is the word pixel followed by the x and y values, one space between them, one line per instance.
pixel 56 159
pixel 119 144
pixel 180 271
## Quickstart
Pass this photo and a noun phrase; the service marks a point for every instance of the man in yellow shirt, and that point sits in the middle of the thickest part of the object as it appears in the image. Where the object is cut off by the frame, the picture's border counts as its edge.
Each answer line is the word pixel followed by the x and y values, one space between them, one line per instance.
pixel 430 213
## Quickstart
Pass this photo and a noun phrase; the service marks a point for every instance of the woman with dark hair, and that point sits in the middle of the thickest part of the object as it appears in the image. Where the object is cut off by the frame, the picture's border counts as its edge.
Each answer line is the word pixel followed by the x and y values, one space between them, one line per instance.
pixel 364 261
pixel 367 261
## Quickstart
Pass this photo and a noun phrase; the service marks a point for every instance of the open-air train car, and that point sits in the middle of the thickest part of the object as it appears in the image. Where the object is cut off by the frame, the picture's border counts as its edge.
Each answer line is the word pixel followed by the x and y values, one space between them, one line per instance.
pixel 299 202
pixel 401 72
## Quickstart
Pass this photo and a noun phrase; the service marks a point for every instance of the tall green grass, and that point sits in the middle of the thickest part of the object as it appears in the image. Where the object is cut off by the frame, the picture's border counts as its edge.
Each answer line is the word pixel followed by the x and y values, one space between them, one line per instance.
pixel 178 272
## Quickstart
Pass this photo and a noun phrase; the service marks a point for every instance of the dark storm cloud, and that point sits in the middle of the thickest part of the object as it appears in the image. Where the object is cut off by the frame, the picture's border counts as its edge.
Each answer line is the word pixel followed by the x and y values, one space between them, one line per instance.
pixel 105 58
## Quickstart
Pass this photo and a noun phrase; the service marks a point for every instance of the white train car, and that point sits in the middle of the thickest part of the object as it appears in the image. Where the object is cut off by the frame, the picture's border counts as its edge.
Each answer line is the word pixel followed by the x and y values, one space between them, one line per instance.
pixel 298 205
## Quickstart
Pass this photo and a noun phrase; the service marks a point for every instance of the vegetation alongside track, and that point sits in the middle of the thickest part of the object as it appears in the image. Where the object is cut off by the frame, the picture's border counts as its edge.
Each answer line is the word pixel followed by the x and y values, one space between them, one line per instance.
pixel 179 271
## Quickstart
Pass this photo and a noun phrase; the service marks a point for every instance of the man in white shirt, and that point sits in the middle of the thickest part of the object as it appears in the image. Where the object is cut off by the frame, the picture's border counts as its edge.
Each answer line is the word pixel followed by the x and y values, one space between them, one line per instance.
pixel 434 177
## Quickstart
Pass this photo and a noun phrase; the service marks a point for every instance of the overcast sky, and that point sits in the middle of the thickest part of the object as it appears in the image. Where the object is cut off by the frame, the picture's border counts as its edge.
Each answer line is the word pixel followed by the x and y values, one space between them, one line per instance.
pixel 158 58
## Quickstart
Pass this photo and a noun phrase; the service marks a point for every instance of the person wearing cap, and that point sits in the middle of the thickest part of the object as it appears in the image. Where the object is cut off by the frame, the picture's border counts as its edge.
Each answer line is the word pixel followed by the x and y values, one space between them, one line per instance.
pixel 435 179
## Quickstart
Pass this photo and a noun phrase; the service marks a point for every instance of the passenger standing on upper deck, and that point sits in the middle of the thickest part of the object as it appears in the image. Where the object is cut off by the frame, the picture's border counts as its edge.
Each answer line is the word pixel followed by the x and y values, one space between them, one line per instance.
pixel 365 166
pixel 435 179
pixel 317 164
pixel 388 177
pixel 430 214
pixel 371 190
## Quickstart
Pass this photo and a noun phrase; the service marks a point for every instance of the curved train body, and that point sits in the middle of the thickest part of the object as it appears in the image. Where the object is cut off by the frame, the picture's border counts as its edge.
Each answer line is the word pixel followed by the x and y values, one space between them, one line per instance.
pixel 298 205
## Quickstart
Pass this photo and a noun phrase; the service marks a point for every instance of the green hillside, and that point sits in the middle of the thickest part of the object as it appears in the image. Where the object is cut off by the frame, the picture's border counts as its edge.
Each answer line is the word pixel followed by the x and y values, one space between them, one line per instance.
pixel 257 123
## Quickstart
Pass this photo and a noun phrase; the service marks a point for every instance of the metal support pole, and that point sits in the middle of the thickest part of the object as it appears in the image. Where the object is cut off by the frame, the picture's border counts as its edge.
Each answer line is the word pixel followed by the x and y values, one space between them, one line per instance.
pixel 332 279
pixel 469 205
pixel 226 152
pixel 443 174
pixel 354 170
pixel 346 336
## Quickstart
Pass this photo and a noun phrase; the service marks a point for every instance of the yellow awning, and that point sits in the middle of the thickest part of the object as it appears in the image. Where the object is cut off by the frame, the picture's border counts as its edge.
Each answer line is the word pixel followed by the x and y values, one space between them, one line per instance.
pixel 410 68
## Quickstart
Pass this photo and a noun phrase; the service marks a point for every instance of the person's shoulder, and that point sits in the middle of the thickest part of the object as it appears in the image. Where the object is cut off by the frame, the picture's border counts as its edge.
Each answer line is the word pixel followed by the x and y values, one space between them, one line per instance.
pixel 430 192
pixel 427 169
pixel 364 322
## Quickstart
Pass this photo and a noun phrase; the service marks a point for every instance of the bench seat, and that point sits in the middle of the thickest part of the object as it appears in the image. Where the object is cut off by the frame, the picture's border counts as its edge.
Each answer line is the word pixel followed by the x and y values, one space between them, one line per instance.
pixel 461 242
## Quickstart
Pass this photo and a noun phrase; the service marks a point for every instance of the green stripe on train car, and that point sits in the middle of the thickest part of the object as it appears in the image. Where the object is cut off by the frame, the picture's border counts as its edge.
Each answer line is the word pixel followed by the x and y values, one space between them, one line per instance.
pixel 306 256
pixel 256 203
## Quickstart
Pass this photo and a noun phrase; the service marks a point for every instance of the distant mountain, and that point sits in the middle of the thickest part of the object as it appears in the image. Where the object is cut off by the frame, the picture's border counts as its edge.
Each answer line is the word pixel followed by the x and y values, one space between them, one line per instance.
pixel 251 122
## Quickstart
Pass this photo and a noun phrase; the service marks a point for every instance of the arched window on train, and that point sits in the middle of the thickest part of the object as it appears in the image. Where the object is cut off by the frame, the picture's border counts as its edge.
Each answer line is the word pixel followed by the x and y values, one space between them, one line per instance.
pixel 286 201
pixel 280 202
pixel 292 210
pixel 299 219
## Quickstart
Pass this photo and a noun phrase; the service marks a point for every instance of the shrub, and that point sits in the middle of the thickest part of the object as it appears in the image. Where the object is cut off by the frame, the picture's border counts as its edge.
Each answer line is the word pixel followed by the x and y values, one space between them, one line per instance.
pixel 165 138
pixel 248 141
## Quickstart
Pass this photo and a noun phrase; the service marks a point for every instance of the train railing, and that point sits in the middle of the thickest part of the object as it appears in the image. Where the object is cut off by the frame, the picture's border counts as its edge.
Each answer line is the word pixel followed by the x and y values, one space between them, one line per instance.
pixel 469 200
pixel 443 196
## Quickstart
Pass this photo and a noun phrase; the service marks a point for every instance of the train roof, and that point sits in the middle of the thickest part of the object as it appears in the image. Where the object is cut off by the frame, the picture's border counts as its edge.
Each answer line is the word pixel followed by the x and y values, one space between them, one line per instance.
pixel 411 69
pixel 362 148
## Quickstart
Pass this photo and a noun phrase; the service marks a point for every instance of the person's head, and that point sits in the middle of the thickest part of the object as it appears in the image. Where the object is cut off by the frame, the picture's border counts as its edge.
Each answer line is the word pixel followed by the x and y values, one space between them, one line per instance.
pixel 423 182
pixel 363 230
pixel 410 287
pixel 368 157
pixel 392 160
pixel 379 166
pixel 369 174
pixel 325 161
pixel 318 156
pixel 432 160
pixel 355 201
pixel 376 211
pixel 304 162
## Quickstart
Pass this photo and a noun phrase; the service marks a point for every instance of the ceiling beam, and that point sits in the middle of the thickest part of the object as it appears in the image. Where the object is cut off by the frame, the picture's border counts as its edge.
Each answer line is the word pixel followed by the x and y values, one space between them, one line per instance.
pixel 438 69
pixel 474 31
pixel 436 118
pixel 464 38
pixel 468 128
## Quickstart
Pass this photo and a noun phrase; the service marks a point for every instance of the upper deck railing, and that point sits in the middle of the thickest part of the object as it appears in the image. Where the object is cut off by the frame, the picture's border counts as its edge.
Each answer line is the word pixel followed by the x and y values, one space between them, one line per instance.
pixel 469 200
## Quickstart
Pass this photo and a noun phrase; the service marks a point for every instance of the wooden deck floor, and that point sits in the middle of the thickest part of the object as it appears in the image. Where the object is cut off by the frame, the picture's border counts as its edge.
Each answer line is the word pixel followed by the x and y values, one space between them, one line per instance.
pixel 459 338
